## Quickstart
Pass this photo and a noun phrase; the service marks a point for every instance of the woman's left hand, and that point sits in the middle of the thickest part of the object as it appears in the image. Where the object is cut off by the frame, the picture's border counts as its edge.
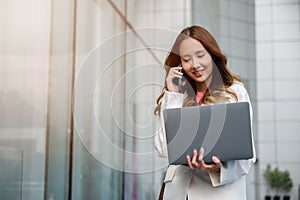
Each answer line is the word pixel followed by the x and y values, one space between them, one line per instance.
pixel 197 162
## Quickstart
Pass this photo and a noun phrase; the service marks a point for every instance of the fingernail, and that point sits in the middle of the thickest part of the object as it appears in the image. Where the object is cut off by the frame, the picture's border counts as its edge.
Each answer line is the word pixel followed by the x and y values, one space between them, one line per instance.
pixel 214 158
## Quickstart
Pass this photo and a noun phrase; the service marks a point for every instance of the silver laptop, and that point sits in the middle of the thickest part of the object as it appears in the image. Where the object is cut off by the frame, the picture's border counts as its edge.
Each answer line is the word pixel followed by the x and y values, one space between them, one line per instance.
pixel 223 130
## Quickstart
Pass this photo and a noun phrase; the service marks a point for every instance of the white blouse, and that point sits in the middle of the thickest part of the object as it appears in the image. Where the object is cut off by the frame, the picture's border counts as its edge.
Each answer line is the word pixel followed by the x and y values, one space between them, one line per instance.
pixel 181 181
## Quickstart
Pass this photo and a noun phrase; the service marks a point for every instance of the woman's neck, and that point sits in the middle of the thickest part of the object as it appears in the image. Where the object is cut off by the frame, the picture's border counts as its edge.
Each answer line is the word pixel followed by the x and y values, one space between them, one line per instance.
pixel 201 87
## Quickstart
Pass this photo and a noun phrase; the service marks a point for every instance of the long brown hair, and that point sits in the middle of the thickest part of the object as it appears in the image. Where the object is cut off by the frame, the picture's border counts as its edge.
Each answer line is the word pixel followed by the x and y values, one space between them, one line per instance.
pixel 222 79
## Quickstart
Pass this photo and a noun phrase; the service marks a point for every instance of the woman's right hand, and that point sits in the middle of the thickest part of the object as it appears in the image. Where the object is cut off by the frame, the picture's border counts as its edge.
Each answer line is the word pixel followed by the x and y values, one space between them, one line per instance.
pixel 173 73
pixel 197 162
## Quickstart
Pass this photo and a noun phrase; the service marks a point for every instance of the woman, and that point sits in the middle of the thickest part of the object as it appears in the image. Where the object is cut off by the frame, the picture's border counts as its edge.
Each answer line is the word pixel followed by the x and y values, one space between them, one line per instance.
pixel 197 60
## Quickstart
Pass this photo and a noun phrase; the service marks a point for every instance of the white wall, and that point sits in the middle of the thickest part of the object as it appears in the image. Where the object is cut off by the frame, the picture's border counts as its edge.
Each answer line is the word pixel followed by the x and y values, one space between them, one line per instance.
pixel 278 78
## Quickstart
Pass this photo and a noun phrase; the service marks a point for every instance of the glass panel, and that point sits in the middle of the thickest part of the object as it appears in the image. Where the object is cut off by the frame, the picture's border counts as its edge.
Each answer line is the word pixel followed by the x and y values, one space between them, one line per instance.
pixel 59 126
pixel 24 59
pixel 118 80
pixel 11 165
pixel 93 179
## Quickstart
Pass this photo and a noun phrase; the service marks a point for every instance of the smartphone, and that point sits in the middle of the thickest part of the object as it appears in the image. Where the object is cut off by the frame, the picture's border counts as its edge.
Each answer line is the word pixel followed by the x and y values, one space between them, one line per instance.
pixel 180 80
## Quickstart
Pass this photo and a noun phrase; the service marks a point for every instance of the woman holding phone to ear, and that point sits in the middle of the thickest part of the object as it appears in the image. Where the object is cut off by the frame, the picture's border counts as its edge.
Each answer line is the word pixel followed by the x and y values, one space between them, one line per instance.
pixel 197 66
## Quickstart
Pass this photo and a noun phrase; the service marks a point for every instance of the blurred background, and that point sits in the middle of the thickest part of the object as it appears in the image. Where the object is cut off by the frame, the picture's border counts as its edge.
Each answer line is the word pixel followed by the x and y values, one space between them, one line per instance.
pixel 79 81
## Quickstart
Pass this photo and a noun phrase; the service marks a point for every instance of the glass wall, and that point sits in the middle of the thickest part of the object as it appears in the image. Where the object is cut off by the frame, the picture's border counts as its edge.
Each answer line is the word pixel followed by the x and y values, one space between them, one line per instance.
pixel 79 81
pixel 119 74
pixel 11 165
pixel 114 156
pixel 24 57
pixel 93 179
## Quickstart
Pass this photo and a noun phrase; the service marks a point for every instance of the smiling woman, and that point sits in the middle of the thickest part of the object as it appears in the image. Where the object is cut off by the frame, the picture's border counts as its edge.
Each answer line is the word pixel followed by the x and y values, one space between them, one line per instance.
pixel 206 80
pixel 199 52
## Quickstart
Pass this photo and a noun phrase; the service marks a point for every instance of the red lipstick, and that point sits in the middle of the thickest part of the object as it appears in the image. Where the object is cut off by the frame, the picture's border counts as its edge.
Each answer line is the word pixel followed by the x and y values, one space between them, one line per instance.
pixel 197 74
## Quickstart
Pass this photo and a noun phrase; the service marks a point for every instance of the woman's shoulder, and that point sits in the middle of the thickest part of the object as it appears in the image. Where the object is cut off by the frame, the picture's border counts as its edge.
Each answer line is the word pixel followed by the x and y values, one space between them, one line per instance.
pixel 240 91
pixel 238 87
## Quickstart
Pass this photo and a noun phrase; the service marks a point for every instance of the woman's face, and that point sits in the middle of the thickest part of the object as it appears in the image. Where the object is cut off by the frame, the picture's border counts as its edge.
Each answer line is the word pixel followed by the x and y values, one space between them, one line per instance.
pixel 196 62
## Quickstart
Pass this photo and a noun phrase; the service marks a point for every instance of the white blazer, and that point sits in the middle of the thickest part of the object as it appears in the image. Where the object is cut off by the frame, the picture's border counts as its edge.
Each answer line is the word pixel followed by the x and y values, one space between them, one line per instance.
pixel 197 184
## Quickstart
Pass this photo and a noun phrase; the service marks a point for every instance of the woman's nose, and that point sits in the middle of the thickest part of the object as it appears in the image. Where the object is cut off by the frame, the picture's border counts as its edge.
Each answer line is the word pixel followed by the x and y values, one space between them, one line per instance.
pixel 194 62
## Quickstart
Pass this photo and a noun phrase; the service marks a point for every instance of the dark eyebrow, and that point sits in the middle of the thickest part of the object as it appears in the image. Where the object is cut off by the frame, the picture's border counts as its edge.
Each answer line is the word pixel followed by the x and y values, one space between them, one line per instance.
pixel 200 51
pixel 197 52
pixel 184 56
